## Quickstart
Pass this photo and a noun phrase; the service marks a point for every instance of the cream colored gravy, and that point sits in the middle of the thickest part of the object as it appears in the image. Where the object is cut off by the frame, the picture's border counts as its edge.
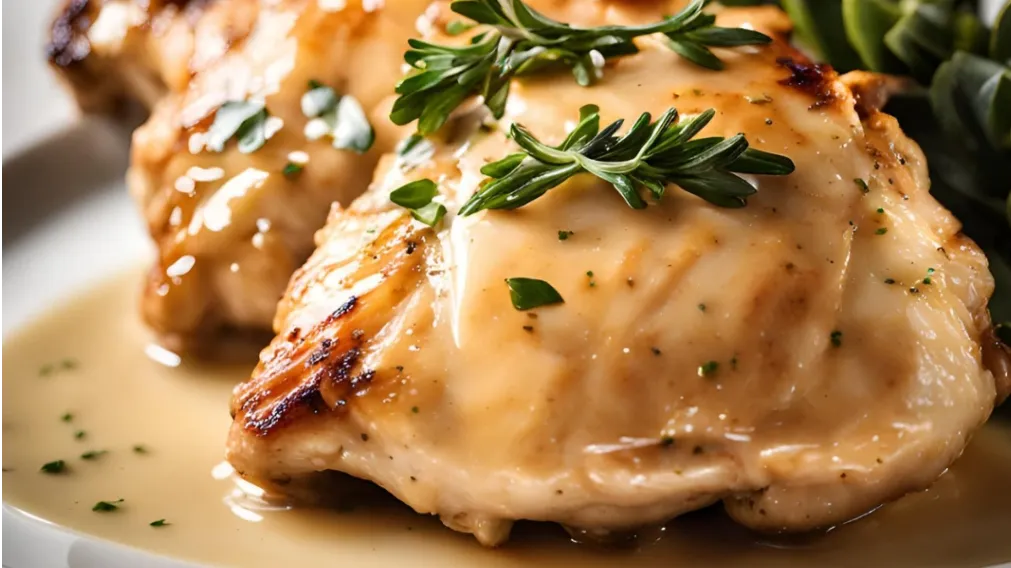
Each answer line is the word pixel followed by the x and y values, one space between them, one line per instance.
pixel 121 392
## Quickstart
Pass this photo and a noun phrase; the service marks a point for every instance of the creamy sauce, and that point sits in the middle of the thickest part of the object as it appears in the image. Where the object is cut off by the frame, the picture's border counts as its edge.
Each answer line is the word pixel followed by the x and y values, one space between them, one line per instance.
pixel 121 393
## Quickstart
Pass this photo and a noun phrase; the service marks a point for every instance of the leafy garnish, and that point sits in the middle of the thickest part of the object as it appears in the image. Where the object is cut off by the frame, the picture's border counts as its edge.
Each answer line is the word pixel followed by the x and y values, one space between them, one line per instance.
pixel 521 41
pixel 530 293
pixel 243 120
pixel 650 155
pixel 93 454
pixel 292 170
pixel 416 196
pixel 57 466
pixel 106 506
pixel 159 523
pixel 343 118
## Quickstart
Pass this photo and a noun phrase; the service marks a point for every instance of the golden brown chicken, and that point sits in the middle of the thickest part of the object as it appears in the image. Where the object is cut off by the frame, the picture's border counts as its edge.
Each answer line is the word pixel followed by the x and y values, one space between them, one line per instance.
pixel 231 223
pixel 115 50
pixel 803 359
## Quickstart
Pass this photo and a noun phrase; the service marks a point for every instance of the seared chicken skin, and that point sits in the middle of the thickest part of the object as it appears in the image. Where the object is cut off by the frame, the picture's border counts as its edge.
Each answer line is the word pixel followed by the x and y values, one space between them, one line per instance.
pixel 231 227
pixel 803 359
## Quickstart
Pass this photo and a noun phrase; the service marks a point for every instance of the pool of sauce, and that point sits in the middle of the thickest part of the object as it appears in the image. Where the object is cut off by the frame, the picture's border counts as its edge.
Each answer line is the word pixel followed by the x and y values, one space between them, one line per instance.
pixel 91 358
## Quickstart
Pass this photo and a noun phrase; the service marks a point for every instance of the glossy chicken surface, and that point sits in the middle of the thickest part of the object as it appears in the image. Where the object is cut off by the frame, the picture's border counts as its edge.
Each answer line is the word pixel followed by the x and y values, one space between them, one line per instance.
pixel 231 227
pixel 110 51
pixel 804 359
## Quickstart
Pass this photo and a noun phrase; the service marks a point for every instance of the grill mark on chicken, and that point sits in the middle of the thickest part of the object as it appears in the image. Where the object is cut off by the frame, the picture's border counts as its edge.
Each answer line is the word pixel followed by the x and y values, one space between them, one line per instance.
pixel 321 370
pixel 68 43
pixel 816 79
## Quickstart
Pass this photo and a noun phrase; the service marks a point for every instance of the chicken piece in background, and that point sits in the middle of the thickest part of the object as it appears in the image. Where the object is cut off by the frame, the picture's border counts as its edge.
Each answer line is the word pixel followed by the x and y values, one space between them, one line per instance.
pixel 232 221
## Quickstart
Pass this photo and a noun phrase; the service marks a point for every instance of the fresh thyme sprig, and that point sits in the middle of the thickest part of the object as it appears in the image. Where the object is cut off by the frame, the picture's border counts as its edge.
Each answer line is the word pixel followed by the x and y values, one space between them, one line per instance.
pixel 522 41
pixel 650 155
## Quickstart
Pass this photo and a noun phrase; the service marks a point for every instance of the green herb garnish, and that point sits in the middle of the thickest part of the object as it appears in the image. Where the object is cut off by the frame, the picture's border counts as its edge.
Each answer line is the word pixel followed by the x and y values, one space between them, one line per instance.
pixel 836 338
pixel 881 231
pixel 67 417
pixel 159 523
pixel 139 449
pixel 344 119
pixel 862 185
pixel 708 368
pixel 521 41
pixel 292 170
pixel 106 506
pixel 530 293
pixel 650 155
pixel 243 120
pixel 564 235
pixel 457 27
pixel 57 466
pixel 93 454
pixel 416 197
pixel 80 434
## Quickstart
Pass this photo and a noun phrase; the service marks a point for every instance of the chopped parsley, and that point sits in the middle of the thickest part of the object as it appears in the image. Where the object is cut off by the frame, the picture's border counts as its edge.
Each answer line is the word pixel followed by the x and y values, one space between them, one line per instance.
pixel 67 417
pixel 140 449
pixel 589 274
pixel 57 466
pixel 415 409
pixel 80 434
pixel 708 368
pixel 564 235
pixel 702 307
pixel 342 117
pixel 243 120
pixel 530 293
pixel 292 170
pixel 416 197
pixel 862 185
pixel 106 506
pixel 881 231
pixel 159 523
pixel 889 281
pixel 836 338
pixel 93 454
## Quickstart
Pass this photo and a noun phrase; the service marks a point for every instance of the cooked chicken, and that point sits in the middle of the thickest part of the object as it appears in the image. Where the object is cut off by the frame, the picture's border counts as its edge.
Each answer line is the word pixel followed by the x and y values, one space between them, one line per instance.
pixel 852 346
pixel 111 50
pixel 230 226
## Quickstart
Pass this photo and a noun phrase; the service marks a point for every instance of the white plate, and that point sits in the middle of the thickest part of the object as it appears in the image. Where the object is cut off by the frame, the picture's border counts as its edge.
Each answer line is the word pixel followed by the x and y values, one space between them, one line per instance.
pixel 68 224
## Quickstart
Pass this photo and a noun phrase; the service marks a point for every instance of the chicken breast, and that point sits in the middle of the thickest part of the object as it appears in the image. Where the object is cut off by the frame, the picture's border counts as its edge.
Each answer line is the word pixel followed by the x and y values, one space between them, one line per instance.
pixel 110 51
pixel 803 359
pixel 230 224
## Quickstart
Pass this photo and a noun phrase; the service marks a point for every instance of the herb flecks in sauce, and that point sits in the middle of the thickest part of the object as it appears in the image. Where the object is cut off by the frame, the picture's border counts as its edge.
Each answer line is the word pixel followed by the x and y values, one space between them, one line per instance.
pixel 106 506
pixel 530 293
pixel 56 466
